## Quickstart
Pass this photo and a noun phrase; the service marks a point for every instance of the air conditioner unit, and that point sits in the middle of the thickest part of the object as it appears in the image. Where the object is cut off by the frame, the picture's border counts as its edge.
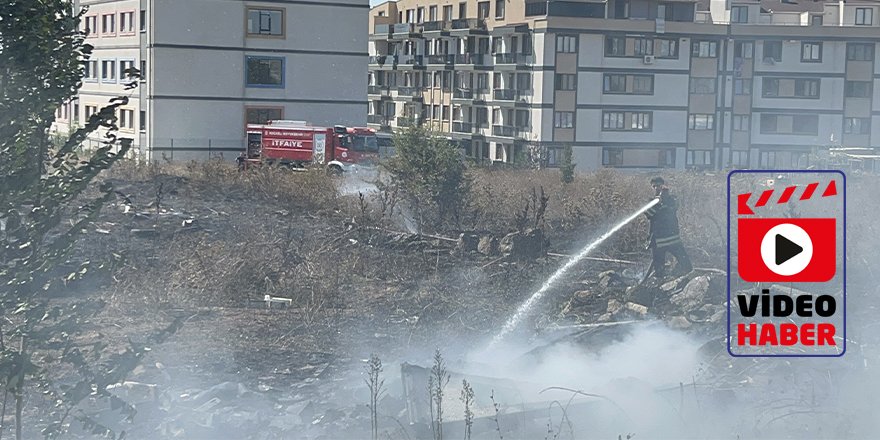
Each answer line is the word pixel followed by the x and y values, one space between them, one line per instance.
pixel 649 59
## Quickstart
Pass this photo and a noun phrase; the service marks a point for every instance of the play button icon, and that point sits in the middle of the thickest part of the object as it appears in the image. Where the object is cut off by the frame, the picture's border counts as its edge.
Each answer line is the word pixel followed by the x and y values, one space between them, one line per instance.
pixel 786 249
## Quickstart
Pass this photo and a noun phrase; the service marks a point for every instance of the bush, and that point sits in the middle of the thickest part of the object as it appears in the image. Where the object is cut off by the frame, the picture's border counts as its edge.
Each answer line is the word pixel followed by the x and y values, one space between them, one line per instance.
pixel 431 174
pixel 566 166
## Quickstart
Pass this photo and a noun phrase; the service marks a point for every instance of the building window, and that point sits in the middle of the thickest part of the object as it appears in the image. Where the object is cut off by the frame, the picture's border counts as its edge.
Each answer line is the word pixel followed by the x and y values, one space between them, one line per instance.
pixel 142 118
pixel 524 82
pixel 703 86
pixel 811 52
pixel 91 25
pixel 566 44
pixel 125 69
pixel 264 21
pixel 90 110
pixel 432 13
pixel 864 16
pixel 262 115
pixel 566 81
pixel 143 20
pixel 743 49
pixel 482 117
pixel 772 51
pixel 462 10
pixel 770 87
pixel 704 49
pixel 769 124
pixel 563 119
pixel 641 121
pixel 615 46
pixel 614 83
pixel 126 22
pixel 420 15
pixel 499 9
pixel 90 72
pixel 699 158
pixel 817 20
pixel 800 124
pixel 739 14
pixel 612 157
pixel 447 13
pixel 860 51
pixel 739 158
pixel 523 119
pixel 143 71
pixel 264 72
pixel 667 48
pixel 108 71
pixel 626 121
pixel 858 89
pixel 108 24
pixel 740 123
pixel 742 87
pixel 805 124
pixel 643 46
pixel 126 119
pixel 806 88
pixel 643 84
pixel 701 122
pixel 857 125
pixel 483 10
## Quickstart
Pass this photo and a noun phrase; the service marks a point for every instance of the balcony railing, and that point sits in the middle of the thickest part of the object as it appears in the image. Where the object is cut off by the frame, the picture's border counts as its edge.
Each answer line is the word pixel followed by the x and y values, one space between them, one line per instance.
pixel 441 59
pixel 403 28
pixel 410 91
pixel 378 90
pixel 380 59
pixel 435 26
pixel 469 58
pixel 505 58
pixel 469 23
pixel 463 94
pixel 382 29
pixel 377 119
pixel 407 121
pixel 503 130
pixel 504 94
pixel 410 60
pixel 462 127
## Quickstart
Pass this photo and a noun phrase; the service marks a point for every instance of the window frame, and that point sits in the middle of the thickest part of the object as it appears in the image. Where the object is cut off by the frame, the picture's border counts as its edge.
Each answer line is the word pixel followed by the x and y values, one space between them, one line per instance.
pixel 775 43
pixel 96 70
pixel 864 126
pixel 502 8
pixel 693 90
pixel 566 43
pixel 739 8
pixel 607 81
pixel 867 51
pixel 249 108
pixel 562 83
pixel 848 89
pixel 115 71
pixel 123 120
pixel 259 33
pixel 814 45
pixel 132 23
pixel 745 89
pixel 799 82
pixel 867 13
pixel 673 46
pixel 112 33
pixel 743 123
pixel 119 61
pixel 694 117
pixel 91 32
pixel 560 117
pixel 283 60
pixel 142 21
pixel 697 48
pixel 608 45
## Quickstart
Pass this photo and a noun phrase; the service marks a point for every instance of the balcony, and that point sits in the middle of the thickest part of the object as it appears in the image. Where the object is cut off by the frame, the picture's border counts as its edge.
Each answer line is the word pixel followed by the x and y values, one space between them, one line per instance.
pixel 462 127
pixel 380 59
pixel 463 94
pixel 469 58
pixel 410 60
pixel 377 119
pixel 407 121
pixel 504 94
pixel 503 130
pixel 435 26
pixel 409 92
pixel 403 28
pixel 378 90
pixel 469 24
pixel 441 59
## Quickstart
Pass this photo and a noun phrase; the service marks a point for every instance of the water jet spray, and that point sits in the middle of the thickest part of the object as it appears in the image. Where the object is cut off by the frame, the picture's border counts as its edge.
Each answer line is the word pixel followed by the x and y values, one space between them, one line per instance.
pixel 526 307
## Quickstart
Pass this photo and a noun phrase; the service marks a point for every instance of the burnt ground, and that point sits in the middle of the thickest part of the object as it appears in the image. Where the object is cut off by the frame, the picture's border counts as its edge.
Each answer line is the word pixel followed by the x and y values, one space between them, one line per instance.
pixel 237 369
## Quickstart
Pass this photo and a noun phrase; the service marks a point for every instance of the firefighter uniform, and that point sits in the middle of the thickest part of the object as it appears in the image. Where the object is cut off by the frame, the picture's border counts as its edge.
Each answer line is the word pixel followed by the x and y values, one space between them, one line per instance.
pixel 664 235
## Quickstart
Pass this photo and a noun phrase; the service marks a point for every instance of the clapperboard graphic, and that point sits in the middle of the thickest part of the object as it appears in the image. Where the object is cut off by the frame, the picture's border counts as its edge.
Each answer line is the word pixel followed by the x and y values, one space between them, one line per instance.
pixel 786 265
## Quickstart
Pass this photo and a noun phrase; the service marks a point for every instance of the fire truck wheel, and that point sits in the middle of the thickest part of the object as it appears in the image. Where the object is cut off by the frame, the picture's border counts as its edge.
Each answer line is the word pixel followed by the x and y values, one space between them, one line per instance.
pixel 335 170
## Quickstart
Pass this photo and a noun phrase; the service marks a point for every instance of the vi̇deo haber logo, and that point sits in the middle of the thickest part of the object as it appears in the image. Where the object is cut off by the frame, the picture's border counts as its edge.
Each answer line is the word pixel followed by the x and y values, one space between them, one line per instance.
pixel 778 252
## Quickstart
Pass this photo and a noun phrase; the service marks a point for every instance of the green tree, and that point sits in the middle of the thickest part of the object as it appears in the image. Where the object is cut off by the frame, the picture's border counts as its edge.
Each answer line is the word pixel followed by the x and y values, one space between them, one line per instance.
pixel 566 166
pixel 431 173
pixel 46 201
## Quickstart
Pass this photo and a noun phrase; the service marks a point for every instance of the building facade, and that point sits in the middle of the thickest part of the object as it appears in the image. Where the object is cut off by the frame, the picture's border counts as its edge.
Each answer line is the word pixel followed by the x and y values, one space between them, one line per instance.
pixel 631 83
pixel 210 67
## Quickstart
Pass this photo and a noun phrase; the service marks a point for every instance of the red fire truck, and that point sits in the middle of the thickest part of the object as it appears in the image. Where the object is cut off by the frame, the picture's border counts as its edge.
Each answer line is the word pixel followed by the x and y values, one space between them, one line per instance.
pixel 298 144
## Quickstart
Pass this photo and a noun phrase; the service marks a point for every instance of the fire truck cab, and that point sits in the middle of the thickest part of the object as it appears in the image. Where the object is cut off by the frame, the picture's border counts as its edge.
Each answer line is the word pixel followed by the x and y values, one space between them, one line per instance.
pixel 300 144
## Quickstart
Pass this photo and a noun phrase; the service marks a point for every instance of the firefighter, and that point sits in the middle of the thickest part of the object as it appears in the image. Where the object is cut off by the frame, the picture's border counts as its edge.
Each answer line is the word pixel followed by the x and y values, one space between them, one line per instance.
pixel 241 159
pixel 664 232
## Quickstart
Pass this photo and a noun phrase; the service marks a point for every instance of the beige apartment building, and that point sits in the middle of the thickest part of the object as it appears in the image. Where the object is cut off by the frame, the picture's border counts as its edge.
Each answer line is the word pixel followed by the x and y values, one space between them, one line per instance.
pixel 631 83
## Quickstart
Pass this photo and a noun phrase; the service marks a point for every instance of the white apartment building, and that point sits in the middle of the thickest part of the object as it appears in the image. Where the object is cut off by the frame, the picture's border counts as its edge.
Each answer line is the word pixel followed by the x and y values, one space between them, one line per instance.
pixel 212 66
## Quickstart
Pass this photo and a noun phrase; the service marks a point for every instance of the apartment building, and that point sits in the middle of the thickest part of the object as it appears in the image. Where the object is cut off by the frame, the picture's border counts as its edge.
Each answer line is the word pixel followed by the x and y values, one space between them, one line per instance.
pixel 631 83
pixel 210 67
